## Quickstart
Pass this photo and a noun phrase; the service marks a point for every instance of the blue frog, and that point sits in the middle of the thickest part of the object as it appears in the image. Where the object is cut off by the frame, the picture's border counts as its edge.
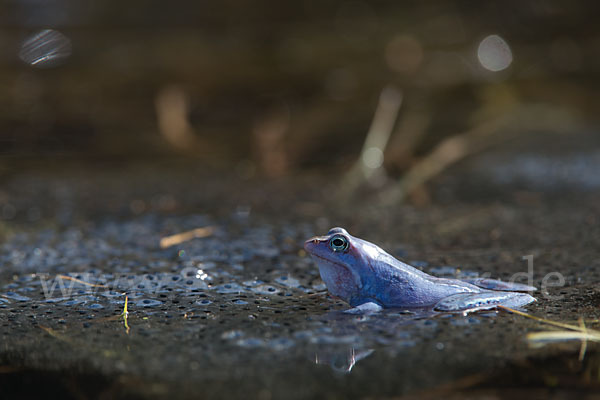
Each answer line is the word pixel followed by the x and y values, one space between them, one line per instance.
pixel 369 279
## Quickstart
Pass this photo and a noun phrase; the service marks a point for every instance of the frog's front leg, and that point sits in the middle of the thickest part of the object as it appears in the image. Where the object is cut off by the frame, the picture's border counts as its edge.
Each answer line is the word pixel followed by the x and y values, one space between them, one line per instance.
pixel 468 302
pixel 365 308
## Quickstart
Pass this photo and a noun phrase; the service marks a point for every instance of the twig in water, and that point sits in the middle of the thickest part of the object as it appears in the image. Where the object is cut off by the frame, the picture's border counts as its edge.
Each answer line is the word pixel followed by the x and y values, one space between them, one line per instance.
pixel 178 238
pixel 125 315
pixel 574 332
pixel 543 320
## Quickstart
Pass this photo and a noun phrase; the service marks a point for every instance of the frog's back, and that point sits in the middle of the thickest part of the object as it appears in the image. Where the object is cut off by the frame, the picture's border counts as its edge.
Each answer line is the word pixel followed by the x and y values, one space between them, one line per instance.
pixel 397 284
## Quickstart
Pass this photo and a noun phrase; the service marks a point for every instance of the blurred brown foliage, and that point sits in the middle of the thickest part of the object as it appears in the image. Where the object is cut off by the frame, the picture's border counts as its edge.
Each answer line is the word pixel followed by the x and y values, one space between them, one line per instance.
pixel 275 87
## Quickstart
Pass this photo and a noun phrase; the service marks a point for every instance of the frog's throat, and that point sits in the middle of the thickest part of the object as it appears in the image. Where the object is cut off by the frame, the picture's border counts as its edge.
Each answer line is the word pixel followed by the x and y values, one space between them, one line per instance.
pixel 352 272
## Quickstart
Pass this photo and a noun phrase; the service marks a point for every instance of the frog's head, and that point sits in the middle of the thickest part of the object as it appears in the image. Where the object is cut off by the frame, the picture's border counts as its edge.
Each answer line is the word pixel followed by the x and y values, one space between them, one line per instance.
pixel 342 260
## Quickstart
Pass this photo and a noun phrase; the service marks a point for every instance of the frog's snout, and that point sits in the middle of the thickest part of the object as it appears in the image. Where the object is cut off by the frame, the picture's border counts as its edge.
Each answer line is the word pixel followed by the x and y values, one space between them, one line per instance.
pixel 310 244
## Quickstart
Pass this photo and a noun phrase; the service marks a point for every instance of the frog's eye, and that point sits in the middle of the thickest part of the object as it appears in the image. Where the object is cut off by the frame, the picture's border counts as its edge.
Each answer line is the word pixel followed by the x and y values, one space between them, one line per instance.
pixel 338 243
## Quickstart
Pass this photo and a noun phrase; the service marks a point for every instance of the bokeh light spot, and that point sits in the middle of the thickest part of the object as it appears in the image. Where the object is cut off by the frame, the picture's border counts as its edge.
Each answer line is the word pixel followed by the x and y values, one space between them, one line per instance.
pixel 45 49
pixel 494 54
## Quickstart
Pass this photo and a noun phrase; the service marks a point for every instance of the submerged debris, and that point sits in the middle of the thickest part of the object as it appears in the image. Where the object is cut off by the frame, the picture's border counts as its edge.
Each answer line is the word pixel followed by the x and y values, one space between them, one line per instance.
pixel 179 238
pixel 574 332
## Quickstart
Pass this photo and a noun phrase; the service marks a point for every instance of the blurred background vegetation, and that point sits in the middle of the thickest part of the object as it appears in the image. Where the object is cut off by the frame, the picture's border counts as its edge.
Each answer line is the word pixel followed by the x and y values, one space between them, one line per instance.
pixel 377 90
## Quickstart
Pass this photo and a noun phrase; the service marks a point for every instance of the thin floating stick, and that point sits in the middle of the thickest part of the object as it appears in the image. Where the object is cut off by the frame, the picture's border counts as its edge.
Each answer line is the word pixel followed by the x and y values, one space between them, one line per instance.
pixel 539 339
pixel 574 332
pixel 178 238
pixel 125 315
pixel 544 320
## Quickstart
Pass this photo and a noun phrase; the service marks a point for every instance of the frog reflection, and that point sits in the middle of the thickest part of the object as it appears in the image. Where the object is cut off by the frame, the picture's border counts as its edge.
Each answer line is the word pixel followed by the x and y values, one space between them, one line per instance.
pixel 341 360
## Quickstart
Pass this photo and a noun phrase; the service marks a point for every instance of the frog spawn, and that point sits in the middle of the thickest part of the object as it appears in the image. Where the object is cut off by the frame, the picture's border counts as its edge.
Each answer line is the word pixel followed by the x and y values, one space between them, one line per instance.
pixel 211 294
pixel 203 279
pixel 94 296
